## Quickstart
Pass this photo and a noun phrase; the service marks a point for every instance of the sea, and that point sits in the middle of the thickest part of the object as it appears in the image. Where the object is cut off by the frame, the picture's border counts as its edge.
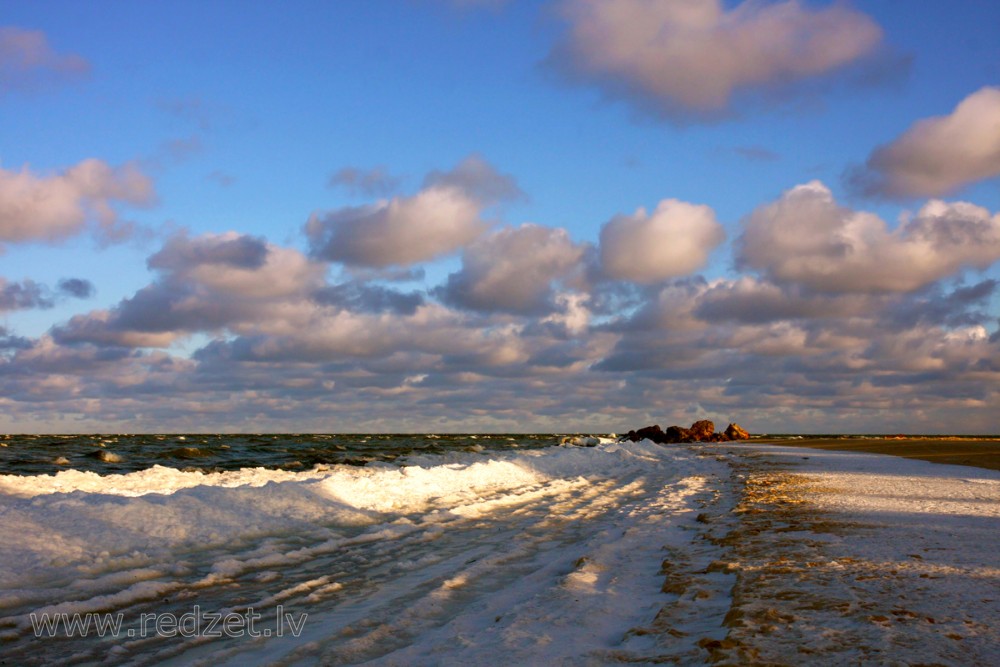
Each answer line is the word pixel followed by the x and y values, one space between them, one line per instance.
pixel 118 454
pixel 121 454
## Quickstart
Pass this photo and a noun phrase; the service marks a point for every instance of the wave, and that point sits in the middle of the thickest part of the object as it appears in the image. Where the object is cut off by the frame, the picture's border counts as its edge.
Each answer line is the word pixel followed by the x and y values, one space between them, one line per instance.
pixel 80 521
pixel 389 541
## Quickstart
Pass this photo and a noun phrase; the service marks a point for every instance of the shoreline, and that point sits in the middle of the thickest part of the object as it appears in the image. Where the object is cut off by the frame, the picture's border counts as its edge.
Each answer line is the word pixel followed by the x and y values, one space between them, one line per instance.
pixel 951 451
pixel 846 558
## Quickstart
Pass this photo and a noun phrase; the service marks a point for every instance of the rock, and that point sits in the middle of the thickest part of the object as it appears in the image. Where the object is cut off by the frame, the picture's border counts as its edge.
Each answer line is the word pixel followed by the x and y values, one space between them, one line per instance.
pixel 702 430
pixel 653 433
pixel 735 432
pixel 677 434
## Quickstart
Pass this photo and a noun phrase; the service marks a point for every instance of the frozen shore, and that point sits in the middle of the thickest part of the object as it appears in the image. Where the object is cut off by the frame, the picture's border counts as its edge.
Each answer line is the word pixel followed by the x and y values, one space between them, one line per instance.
pixel 623 552
pixel 856 558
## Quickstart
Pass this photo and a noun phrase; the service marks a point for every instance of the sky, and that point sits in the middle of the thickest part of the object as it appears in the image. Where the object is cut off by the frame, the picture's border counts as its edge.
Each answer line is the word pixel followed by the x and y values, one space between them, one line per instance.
pixel 462 215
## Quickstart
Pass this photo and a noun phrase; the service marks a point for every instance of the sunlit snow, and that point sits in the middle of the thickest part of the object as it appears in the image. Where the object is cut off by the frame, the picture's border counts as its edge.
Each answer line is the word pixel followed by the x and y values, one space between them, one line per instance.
pixel 629 552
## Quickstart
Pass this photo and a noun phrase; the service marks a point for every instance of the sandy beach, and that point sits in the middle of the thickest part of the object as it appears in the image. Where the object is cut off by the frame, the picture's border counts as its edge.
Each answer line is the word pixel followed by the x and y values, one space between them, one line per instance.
pixel 976 452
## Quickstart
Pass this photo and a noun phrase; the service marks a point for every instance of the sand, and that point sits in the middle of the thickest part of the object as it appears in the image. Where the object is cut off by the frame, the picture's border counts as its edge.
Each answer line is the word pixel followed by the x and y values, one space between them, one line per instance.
pixel 980 453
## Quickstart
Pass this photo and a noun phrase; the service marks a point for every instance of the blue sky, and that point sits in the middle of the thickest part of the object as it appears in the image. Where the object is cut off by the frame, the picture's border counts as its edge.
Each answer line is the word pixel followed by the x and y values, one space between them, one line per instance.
pixel 425 215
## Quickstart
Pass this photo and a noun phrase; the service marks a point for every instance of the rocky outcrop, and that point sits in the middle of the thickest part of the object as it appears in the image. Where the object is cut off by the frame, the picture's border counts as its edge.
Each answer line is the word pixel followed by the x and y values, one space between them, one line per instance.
pixel 735 432
pixel 701 431
pixel 677 434
pixel 653 433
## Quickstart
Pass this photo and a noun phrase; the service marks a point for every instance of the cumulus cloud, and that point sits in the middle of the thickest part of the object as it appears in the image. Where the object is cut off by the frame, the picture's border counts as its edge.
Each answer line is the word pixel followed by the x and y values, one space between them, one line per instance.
pixel 28 294
pixel 402 231
pixel 23 295
pixel 748 300
pixel 530 332
pixel 938 156
pixel 441 218
pixel 361 297
pixel 513 270
pixel 693 56
pixel 432 337
pixel 207 283
pixel 27 61
pixel 867 361
pixel 237 265
pixel 667 307
pixel 360 355
pixel 961 306
pixel 77 288
pixel 181 253
pixel 806 238
pixel 50 208
pixel 672 241
pixel 9 341
pixel 477 178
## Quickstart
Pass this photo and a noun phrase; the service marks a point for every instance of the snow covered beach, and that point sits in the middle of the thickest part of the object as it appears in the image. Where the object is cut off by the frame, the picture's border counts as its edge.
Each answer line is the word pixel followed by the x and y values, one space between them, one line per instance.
pixel 623 552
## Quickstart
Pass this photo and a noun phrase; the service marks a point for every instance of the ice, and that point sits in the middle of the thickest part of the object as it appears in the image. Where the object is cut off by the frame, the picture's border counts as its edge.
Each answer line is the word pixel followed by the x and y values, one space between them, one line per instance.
pixel 868 559
pixel 597 554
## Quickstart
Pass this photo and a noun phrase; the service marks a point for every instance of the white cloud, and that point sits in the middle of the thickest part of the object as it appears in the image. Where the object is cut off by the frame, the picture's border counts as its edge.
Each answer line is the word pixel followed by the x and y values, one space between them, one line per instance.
pixel 842 315
pixel 694 55
pixel 29 294
pixel 939 155
pixel 477 178
pixel 806 238
pixel 208 283
pixel 574 317
pixel 50 208
pixel 514 270
pixel 283 359
pixel 285 275
pixel 443 217
pixel 401 231
pixel 27 60
pixel 749 300
pixel 238 266
pixel 26 294
pixel 674 241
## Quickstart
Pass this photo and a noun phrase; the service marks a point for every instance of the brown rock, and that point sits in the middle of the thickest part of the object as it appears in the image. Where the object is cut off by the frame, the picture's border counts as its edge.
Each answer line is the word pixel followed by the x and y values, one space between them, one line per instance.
pixel 701 431
pixel 676 434
pixel 653 433
pixel 735 432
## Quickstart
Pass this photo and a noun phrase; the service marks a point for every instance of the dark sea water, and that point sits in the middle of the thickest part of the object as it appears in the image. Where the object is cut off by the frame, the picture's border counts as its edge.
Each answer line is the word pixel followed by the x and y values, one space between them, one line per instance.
pixel 111 454
pixel 117 454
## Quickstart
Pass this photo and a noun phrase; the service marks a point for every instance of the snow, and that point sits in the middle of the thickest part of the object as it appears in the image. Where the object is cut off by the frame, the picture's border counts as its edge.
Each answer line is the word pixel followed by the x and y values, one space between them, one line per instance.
pixel 616 552
pixel 891 561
